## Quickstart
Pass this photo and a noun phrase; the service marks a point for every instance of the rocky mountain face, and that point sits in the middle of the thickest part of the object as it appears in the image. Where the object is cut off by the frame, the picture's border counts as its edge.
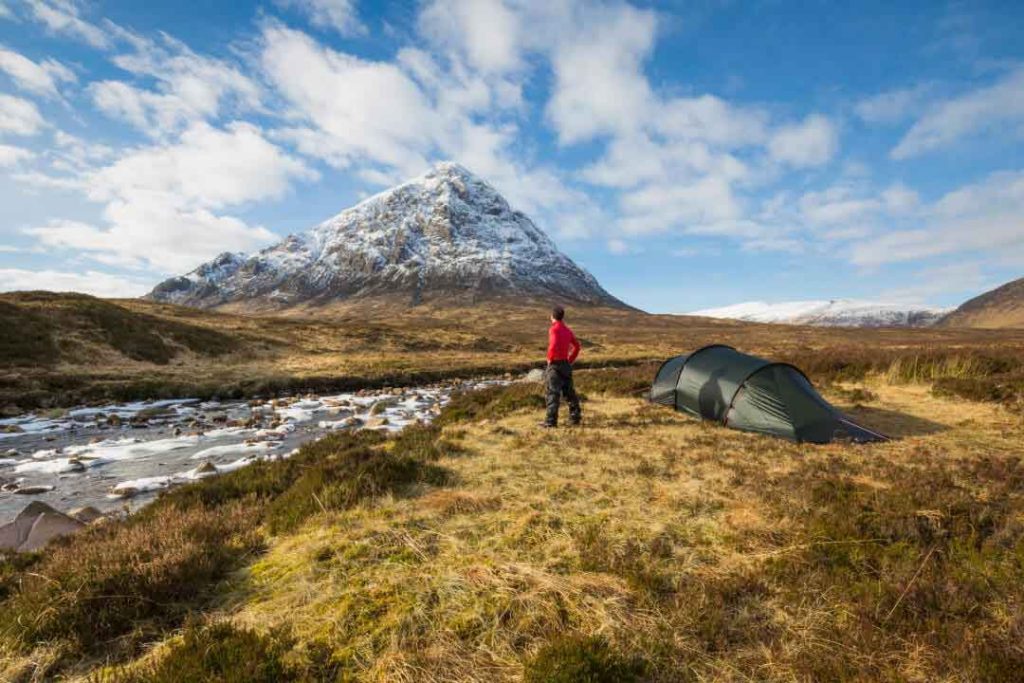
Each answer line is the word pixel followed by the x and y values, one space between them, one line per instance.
pixel 1001 307
pixel 833 313
pixel 446 236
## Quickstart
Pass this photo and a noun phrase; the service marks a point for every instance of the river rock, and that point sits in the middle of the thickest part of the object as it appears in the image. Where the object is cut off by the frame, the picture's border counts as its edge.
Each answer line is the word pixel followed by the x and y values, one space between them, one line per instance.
pixel 375 423
pixel 32 490
pixel 86 515
pixel 207 468
pixel 535 375
pixel 35 526
pixel 47 527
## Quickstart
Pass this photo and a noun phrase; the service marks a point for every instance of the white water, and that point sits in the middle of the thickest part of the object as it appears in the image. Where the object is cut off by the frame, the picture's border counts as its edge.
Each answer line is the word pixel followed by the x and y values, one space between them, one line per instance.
pixel 88 461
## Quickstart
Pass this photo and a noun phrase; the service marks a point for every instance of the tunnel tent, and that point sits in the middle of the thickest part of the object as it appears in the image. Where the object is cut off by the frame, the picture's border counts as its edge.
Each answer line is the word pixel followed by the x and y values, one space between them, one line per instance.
pixel 744 392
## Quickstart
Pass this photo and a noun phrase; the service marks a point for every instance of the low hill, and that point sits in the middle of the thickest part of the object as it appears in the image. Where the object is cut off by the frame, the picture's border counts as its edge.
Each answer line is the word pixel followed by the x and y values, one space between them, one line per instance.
pixel 44 329
pixel 1001 307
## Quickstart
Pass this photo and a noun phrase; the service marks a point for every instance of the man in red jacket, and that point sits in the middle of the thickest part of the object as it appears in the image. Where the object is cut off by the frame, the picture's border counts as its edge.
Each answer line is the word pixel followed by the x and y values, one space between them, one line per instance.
pixel 563 348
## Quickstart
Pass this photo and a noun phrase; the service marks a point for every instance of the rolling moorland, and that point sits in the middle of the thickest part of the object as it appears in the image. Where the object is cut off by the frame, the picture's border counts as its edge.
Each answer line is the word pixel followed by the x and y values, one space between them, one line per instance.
pixel 643 546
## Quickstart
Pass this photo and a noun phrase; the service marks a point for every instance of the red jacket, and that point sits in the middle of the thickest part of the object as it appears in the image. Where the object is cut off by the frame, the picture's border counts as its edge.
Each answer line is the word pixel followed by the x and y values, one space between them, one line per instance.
pixel 562 343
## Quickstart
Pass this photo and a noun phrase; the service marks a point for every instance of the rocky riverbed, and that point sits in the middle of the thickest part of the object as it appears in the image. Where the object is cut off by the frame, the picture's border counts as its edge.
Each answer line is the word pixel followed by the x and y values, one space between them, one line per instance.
pixel 117 457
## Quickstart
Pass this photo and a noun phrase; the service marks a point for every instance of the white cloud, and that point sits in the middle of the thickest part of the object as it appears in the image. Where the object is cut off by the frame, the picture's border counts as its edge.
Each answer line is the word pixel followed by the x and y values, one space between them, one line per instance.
pixel 188 87
pixel 892 106
pixel 618 247
pixel 159 200
pixel 983 109
pixel 37 78
pixel 383 116
pixel 5 11
pixel 90 282
pixel 900 199
pixel 487 34
pixel 12 156
pixel 336 15
pixel 987 216
pixel 599 85
pixel 19 116
pixel 813 142
pixel 63 16
pixel 838 205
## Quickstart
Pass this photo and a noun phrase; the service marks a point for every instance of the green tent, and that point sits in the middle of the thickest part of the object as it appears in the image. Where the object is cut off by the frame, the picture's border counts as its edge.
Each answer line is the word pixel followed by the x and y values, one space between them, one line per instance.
pixel 753 394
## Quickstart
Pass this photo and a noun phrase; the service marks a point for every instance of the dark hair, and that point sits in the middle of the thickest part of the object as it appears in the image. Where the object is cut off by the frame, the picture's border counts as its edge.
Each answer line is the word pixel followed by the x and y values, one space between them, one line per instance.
pixel 557 312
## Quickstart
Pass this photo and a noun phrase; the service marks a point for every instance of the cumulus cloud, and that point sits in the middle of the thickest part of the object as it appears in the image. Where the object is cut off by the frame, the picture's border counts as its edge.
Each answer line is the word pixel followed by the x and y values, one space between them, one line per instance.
pixel 90 282
pixel 384 117
pixel 12 156
pixel 64 17
pixel 987 216
pixel 336 15
pixel 41 78
pixel 812 142
pixel 160 200
pixel 19 116
pixel 188 87
pixel 982 109
pixel 487 34
pixel 599 86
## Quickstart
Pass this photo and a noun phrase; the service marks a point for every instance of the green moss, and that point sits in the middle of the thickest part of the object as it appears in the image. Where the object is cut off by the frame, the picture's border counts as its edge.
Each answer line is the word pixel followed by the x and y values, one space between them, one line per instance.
pixel 220 653
pixel 576 659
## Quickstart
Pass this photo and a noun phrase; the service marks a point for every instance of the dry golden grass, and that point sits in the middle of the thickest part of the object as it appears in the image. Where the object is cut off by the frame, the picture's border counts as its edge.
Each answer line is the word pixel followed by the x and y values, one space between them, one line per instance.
pixel 682 543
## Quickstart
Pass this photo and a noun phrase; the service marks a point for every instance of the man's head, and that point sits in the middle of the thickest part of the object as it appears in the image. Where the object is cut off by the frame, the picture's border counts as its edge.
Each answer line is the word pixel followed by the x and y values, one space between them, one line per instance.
pixel 557 313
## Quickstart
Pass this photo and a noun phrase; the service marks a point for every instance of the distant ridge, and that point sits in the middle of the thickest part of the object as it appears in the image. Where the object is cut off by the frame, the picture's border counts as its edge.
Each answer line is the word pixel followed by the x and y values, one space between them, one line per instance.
pixel 830 313
pixel 444 237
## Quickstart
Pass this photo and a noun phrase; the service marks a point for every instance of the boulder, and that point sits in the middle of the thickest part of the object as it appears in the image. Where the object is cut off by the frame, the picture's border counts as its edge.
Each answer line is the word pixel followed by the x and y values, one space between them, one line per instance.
pixel 35 526
pixel 47 527
pixel 14 533
pixel 86 515
pixel 376 423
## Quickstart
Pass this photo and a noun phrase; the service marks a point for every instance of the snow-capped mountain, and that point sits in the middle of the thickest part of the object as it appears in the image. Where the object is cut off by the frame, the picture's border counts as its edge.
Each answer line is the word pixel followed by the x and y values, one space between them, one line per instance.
pixel 834 313
pixel 446 236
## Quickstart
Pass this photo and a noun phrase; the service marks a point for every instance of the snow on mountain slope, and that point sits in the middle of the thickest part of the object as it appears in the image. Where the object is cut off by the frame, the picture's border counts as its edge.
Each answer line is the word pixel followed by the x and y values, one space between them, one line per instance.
pixel 834 313
pixel 445 236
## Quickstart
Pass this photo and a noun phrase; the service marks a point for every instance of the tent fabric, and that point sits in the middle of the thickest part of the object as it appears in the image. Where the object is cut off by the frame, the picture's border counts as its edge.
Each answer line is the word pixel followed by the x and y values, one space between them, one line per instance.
pixel 752 394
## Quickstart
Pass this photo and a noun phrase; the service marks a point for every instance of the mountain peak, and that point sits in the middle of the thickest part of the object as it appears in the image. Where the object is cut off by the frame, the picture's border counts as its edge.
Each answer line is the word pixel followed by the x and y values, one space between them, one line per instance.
pixel 446 236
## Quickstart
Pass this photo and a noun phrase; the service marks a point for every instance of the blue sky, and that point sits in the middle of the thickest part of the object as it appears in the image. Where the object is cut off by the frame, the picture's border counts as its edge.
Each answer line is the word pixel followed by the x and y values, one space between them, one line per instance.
pixel 689 154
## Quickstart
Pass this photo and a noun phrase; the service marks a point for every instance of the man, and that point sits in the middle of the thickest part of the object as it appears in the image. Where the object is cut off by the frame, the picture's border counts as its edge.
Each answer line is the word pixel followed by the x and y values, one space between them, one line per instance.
pixel 563 348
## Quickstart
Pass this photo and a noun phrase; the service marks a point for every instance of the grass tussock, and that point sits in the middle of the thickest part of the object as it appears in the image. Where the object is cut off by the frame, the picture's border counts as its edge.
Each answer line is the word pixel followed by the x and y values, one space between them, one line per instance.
pixel 492 403
pixel 126 581
pixel 351 473
pixel 581 660
pixel 221 652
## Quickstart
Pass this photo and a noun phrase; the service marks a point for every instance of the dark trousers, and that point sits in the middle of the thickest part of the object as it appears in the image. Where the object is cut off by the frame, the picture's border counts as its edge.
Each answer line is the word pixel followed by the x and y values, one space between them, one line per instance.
pixel 558 378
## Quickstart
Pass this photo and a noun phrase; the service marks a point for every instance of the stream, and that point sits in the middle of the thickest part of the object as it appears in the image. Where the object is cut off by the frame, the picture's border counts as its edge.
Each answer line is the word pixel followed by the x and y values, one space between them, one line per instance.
pixel 119 457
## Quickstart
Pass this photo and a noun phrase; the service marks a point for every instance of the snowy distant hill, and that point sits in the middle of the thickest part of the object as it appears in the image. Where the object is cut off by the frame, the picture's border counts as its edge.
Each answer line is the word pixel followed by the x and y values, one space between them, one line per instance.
pixel 833 313
pixel 446 236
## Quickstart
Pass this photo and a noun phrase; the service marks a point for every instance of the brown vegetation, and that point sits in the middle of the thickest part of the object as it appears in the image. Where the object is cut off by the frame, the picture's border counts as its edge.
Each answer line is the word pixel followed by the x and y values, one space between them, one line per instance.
pixel 63 349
